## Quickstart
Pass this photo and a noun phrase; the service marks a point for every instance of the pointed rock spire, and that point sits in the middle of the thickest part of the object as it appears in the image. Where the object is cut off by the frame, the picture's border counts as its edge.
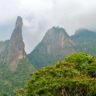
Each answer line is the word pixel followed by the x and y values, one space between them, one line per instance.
pixel 19 22
pixel 16 47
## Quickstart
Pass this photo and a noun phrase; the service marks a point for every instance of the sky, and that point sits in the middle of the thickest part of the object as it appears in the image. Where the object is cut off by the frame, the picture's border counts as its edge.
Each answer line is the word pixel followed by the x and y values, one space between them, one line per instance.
pixel 40 15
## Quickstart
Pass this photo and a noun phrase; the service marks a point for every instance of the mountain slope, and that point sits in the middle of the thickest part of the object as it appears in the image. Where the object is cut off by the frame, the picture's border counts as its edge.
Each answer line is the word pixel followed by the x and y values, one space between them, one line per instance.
pixel 85 41
pixel 9 80
pixel 14 64
pixel 16 47
pixel 54 46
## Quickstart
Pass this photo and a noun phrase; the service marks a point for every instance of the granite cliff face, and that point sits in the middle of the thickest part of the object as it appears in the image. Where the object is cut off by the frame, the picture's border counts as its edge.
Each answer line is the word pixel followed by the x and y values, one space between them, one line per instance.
pixel 15 50
pixel 57 40
pixel 54 46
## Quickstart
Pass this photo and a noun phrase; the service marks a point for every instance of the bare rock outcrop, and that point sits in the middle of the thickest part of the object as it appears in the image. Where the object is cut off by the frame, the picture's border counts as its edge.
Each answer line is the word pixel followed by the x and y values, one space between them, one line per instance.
pixel 16 46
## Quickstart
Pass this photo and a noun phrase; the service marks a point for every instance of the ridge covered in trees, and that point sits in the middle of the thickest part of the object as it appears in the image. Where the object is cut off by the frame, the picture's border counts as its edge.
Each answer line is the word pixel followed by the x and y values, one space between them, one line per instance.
pixel 75 75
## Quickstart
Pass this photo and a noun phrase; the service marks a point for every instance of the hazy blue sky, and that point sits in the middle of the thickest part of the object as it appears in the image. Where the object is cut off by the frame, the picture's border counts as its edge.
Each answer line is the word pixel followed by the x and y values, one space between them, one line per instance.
pixel 40 15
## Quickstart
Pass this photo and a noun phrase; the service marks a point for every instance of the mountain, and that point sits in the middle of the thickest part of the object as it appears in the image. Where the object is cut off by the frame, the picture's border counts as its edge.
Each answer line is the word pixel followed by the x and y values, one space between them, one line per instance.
pixel 85 41
pixel 54 46
pixel 12 51
pixel 16 47
pixel 14 64
pixel 57 43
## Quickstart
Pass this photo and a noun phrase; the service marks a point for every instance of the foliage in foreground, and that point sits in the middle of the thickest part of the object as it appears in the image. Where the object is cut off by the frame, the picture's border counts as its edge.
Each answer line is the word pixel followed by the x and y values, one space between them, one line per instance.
pixel 73 76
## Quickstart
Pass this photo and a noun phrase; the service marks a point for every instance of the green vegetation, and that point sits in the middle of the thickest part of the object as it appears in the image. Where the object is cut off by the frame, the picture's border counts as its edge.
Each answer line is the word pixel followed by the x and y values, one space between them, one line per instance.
pixel 9 81
pixel 73 76
pixel 85 41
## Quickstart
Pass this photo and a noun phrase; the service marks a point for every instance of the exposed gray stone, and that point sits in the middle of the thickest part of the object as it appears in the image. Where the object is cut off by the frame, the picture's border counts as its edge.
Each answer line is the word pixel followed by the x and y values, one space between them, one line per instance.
pixel 16 46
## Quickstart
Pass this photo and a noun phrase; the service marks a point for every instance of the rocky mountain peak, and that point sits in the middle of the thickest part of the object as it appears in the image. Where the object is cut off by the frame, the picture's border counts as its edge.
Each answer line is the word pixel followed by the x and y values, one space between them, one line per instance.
pixel 55 33
pixel 55 45
pixel 16 47
pixel 56 38
pixel 19 22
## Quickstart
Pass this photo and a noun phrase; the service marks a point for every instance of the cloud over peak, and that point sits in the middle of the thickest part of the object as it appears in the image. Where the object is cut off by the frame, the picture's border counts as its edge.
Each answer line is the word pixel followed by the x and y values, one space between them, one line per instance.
pixel 39 15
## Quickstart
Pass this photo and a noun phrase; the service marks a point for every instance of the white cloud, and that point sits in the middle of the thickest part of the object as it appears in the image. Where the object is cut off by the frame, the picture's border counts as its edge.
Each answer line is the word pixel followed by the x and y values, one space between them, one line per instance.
pixel 39 15
pixel 35 5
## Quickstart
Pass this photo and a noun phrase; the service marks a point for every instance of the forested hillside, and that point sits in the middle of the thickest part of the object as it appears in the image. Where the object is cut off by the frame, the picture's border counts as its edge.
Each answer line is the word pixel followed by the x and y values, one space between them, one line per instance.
pixel 10 81
pixel 73 76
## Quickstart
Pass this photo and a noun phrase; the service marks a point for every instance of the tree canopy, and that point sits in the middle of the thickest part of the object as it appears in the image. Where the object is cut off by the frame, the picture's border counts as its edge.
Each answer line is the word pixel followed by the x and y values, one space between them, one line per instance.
pixel 73 76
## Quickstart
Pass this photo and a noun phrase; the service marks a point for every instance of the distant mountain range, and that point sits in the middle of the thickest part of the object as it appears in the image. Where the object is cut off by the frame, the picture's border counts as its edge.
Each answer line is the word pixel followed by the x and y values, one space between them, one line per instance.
pixel 54 46
pixel 15 64
pixel 57 43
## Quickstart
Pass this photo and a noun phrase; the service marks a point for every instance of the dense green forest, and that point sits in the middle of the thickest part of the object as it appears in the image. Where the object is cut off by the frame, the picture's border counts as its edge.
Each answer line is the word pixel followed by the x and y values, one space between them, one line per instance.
pixel 75 75
pixel 10 81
